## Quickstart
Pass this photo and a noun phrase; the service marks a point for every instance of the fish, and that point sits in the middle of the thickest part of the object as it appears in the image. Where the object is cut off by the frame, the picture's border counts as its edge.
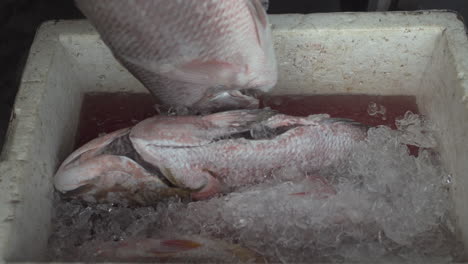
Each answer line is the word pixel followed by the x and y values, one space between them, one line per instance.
pixel 201 55
pixel 170 248
pixel 288 221
pixel 201 156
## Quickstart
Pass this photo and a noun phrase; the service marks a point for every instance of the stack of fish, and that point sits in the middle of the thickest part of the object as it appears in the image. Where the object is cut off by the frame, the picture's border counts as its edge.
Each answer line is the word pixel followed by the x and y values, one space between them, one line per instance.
pixel 201 156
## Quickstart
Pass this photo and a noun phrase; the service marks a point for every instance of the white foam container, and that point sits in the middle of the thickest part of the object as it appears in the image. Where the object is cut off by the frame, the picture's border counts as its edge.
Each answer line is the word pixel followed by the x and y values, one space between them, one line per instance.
pixel 418 53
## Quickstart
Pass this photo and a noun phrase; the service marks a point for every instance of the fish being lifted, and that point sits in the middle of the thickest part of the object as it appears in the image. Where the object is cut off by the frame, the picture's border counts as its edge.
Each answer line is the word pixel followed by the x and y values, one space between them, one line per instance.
pixel 204 155
pixel 197 55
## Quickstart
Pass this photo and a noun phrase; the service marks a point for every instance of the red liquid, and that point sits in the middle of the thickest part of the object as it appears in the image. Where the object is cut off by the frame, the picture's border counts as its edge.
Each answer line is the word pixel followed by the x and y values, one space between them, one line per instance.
pixel 354 107
pixel 107 112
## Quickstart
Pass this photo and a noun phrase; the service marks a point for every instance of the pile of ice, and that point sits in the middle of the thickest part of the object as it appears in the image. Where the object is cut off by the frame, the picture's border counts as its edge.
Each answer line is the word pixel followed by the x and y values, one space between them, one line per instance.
pixel 381 204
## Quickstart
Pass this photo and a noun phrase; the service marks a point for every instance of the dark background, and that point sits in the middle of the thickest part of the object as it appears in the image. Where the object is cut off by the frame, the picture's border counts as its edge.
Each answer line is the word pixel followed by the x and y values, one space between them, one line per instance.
pixel 19 20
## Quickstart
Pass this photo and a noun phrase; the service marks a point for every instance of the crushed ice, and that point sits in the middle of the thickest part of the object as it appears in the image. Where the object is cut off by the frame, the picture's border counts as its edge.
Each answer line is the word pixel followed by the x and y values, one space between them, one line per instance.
pixel 381 204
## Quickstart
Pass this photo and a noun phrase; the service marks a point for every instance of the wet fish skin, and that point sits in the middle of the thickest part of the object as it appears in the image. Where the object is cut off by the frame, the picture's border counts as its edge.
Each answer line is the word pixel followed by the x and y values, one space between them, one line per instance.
pixel 186 52
pixel 203 155
pixel 210 164
pixel 96 176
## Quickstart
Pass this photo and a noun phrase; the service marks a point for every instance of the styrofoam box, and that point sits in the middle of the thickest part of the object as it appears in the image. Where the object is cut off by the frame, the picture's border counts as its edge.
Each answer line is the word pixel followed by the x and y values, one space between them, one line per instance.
pixel 404 53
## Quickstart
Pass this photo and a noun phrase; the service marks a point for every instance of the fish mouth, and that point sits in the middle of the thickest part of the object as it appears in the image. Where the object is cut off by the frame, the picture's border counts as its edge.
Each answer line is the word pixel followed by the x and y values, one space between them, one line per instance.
pixel 226 100
pixel 123 146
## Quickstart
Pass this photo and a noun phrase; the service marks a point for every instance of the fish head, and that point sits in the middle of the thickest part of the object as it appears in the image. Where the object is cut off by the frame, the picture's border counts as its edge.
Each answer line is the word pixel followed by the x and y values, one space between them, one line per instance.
pixel 109 170
pixel 224 76
pixel 190 53
pixel 249 72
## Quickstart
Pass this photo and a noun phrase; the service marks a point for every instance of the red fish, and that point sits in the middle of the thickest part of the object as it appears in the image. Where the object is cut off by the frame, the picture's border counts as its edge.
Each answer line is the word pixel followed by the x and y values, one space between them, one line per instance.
pixel 196 54
pixel 192 249
pixel 201 156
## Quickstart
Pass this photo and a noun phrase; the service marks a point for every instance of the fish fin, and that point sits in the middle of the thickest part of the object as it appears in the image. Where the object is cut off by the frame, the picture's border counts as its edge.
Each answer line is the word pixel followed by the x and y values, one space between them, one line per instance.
pixel 325 118
pixel 80 190
pixel 212 186
pixel 242 119
pixel 92 148
pixel 161 131
pixel 346 121
pixel 181 189
pixel 167 173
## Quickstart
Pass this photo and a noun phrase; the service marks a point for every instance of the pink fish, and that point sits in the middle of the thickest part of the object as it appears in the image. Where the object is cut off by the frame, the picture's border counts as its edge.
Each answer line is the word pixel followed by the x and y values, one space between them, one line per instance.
pixel 201 156
pixel 203 55
pixel 183 249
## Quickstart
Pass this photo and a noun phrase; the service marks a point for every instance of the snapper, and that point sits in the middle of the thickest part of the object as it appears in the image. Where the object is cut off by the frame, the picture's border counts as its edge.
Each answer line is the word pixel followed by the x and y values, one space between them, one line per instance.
pixel 200 55
pixel 201 156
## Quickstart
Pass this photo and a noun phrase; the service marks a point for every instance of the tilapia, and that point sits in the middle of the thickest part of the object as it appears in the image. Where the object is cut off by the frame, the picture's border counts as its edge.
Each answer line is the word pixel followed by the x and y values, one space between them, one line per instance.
pixel 200 156
pixel 203 55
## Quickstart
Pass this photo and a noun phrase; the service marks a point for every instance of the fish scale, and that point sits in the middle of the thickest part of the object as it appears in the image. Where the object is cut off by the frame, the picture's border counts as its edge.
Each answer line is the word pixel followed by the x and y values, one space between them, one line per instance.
pixel 186 51
pixel 205 155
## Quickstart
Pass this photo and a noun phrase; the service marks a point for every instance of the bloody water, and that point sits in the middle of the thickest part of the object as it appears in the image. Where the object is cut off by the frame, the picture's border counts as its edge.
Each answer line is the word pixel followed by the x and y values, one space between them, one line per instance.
pixel 107 112
pixel 354 107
